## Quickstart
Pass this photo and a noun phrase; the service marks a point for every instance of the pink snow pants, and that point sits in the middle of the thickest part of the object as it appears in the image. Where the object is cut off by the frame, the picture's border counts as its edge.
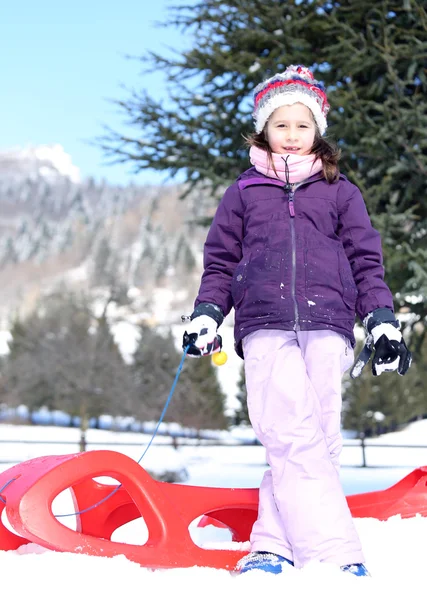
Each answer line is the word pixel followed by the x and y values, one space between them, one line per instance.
pixel 293 382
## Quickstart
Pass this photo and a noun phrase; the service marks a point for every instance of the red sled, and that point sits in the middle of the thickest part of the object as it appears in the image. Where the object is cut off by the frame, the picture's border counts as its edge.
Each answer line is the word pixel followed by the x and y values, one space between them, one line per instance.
pixel 28 490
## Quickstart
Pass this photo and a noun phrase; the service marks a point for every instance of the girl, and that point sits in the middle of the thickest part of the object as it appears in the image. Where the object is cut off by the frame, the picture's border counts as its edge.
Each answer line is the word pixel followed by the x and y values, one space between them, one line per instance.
pixel 292 249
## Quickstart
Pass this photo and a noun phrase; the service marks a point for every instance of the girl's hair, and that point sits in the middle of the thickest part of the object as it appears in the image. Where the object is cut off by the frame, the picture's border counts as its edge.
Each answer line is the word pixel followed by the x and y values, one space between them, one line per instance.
pixel 323 149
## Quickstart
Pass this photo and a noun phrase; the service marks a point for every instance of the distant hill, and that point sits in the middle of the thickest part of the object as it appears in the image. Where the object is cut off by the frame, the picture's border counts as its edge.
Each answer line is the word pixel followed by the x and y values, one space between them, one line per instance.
pixel 56 229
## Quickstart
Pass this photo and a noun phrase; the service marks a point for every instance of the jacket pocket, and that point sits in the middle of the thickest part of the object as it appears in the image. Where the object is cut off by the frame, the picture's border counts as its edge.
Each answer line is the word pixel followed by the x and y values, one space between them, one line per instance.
pixel 256 286
pixel 324 286
pixel 238 283
pixel 347 281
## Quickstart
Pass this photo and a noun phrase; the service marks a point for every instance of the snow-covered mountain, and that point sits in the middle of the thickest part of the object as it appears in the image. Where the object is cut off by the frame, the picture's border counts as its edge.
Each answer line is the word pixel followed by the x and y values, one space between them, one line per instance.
pixel 48 161
pixel 57 229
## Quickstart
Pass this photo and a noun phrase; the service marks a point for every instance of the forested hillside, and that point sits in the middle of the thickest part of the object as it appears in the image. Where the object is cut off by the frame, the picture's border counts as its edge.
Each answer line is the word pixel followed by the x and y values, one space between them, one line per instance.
pixel 55 228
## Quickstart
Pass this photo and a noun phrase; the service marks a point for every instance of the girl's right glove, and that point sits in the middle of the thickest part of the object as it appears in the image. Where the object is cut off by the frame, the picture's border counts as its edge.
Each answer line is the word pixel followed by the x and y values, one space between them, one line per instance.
pixel 386 341
pixel 201 336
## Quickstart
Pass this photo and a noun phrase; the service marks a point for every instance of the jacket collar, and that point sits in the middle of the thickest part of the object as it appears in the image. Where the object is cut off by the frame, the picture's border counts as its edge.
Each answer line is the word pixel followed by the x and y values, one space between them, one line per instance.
pixel 254 177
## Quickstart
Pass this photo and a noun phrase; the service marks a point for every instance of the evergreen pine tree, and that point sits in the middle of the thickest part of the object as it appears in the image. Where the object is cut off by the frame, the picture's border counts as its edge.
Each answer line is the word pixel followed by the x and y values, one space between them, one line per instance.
pixel 372 57
pixel 198 129
pixel 197 401
pixel 373 60
pixel 154 365
pixel 102 263
pixel 64 358
pixel 200 402
pixel 398 399
pixel 379 70
pixel 24 376
pixel 242 415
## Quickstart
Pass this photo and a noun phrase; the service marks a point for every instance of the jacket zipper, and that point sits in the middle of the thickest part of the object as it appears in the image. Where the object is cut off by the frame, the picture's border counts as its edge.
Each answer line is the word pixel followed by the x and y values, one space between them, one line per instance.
pixel 291 194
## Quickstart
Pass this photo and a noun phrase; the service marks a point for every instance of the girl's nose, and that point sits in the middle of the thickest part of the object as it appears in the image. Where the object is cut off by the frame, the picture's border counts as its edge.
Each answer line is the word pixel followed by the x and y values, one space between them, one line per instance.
pixel 292 135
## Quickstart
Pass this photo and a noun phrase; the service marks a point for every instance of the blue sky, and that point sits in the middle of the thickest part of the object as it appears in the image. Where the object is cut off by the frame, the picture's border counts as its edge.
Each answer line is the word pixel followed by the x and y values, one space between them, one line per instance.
pixel 60 62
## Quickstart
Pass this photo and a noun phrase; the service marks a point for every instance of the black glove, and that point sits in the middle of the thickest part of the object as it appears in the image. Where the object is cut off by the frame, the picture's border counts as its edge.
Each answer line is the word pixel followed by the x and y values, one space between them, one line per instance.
pixel 201 336
pixel 385 339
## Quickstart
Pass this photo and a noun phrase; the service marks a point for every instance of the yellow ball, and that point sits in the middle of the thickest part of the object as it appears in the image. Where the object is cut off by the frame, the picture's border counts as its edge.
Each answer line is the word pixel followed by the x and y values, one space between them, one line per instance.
pixel 219 358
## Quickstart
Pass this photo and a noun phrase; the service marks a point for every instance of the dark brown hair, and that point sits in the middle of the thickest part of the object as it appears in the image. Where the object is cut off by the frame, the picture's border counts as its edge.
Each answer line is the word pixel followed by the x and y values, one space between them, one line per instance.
pixel 326 151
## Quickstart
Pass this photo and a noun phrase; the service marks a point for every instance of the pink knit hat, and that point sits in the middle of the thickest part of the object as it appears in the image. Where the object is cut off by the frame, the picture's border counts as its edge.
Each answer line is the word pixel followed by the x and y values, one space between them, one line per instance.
pixel 296 84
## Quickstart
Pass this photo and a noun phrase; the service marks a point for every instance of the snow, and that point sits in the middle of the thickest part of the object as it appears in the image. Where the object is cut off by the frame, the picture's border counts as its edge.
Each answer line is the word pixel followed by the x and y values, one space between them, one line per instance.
pixel 5 338
pixel 127 336
pixel 357 368
pixel 58 158
pixel 254 68
pixel 395 550
pixel 48 160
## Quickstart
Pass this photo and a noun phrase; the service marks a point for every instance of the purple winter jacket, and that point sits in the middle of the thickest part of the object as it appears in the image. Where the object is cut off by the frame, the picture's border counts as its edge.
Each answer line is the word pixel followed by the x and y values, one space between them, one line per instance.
pixel 303 259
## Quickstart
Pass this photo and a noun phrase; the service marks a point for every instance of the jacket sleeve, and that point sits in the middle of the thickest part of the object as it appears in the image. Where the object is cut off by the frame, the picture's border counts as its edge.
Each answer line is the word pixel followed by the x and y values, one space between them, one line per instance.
pixel 362 245
pixel 222 251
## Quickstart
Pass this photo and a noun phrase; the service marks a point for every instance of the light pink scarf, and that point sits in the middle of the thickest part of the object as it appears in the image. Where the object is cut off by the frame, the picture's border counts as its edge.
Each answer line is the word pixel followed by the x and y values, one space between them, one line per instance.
pixel 300 167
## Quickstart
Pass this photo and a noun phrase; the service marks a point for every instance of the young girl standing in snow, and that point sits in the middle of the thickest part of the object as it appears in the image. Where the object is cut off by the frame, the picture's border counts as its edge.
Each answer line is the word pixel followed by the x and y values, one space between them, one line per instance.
pixel 292 249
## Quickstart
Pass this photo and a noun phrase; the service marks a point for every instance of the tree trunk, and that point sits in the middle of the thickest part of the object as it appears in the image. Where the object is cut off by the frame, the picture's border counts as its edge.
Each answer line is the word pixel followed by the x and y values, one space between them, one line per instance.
pixel 84 423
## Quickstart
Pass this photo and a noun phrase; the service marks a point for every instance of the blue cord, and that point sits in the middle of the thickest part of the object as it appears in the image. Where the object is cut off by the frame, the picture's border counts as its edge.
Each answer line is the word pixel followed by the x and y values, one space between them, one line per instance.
pixel 80 512
pixel 5 486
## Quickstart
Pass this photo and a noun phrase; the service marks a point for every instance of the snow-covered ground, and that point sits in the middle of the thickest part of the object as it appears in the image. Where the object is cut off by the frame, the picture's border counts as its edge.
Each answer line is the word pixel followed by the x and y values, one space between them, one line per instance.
pixel 396 550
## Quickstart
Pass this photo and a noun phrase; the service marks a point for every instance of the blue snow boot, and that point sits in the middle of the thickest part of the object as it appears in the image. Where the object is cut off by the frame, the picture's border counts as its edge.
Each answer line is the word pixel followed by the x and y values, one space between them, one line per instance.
pixel 357 569
pixel 263 561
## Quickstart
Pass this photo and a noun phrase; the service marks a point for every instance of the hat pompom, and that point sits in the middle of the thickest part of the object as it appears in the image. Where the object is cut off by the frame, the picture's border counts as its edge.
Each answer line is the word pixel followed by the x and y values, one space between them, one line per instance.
pixel 298 71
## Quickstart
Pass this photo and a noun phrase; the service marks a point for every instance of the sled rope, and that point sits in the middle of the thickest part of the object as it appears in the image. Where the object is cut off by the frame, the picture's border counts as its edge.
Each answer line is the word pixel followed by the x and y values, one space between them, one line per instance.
pixel 5 486
pixel 159 422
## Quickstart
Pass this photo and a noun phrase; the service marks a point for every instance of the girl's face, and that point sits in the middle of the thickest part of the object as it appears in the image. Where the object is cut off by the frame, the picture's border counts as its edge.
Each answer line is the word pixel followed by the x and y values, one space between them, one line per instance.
pixel 291 130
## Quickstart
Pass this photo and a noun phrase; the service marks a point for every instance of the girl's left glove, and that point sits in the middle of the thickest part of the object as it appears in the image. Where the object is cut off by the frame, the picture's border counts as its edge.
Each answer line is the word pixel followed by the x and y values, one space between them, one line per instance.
pixel 386 341
pixel 391 352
